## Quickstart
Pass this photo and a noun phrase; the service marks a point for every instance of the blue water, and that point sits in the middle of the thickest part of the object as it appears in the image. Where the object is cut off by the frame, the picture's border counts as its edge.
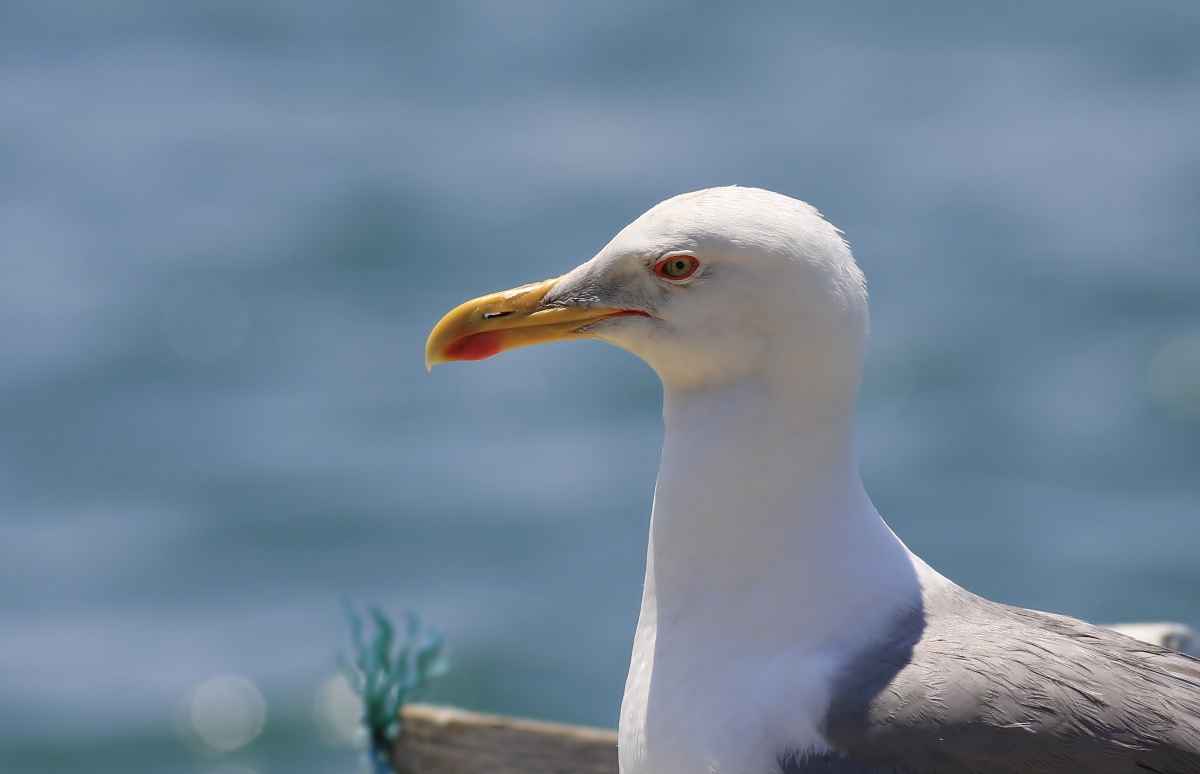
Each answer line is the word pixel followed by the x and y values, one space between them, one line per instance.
pixel 226 228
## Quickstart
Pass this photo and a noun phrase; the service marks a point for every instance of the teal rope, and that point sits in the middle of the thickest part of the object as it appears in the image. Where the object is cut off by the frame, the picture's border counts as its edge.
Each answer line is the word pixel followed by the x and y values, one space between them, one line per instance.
pixel 387 674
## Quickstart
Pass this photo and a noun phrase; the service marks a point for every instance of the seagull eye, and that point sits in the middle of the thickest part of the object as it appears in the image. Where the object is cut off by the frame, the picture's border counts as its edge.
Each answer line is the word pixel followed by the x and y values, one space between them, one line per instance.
pixel 677 267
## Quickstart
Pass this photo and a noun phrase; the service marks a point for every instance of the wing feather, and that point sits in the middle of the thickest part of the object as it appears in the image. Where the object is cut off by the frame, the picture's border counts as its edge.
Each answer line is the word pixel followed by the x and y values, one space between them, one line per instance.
pixel 967 685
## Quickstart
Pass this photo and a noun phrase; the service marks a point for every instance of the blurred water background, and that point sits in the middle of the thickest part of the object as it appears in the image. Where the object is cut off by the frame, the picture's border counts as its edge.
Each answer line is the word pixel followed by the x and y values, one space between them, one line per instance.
pixel 227 226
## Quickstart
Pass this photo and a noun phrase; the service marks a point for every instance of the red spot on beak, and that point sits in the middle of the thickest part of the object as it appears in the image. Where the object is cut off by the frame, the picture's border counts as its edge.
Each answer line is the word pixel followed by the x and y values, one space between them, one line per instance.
pixel 630 313
pixel 477 346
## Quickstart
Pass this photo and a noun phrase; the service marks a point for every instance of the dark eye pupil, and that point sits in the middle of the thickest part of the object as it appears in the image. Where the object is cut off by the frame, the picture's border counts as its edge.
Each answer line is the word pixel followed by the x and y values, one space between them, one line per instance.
pixel 679 267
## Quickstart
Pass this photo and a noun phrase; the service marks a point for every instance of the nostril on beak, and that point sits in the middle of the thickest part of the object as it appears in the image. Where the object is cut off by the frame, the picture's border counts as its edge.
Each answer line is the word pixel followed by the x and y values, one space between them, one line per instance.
pixel 494 315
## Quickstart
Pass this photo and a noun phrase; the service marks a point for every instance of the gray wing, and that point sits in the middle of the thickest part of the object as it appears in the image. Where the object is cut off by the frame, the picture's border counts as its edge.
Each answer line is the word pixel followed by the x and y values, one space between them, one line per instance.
pixel 968 685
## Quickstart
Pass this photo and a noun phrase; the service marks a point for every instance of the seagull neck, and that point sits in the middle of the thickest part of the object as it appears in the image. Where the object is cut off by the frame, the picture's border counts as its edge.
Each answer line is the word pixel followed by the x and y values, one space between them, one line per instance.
pixel 756 492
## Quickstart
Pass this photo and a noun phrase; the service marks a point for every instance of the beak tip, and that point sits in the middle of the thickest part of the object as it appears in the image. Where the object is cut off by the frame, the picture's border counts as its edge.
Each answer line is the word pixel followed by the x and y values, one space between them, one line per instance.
pixel 485 326
pixel 431 358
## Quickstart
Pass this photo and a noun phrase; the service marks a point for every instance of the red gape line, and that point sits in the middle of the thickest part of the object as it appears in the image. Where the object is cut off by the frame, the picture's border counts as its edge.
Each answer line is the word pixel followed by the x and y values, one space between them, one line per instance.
pixel 476 346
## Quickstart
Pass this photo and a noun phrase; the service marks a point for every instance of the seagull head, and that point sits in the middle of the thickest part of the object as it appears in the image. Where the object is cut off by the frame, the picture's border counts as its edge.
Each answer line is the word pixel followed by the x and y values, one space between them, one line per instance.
pixel 711 288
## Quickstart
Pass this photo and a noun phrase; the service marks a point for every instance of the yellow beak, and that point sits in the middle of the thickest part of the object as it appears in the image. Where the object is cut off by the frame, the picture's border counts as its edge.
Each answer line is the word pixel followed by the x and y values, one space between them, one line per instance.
pixel 513 318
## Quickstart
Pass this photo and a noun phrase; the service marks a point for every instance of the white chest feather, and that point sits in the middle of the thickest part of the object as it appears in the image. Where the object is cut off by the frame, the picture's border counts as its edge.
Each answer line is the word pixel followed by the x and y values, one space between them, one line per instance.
pixel 716 707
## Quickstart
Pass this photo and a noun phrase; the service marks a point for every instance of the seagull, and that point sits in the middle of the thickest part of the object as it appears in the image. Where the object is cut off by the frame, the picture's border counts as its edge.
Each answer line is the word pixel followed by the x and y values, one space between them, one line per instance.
pixel 784 627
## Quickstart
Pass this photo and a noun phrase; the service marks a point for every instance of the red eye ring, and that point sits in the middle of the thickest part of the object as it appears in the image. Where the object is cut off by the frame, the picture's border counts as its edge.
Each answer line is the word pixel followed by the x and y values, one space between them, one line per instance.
pixel 676 267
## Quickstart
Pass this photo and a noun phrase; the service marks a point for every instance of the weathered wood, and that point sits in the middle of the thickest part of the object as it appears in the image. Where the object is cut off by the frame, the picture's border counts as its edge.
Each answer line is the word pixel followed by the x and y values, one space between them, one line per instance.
pixel 443 740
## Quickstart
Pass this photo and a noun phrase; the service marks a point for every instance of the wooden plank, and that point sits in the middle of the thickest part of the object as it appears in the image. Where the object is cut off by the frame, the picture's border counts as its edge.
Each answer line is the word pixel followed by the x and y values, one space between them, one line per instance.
pixel 444 740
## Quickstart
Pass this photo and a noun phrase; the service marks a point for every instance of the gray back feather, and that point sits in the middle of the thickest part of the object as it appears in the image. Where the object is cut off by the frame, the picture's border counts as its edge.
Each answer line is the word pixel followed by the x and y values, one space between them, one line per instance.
pixel 967 686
